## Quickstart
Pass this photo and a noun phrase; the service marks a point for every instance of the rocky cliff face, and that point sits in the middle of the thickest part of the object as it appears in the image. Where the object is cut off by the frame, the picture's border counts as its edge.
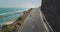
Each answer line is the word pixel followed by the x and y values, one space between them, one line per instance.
pixel 51 10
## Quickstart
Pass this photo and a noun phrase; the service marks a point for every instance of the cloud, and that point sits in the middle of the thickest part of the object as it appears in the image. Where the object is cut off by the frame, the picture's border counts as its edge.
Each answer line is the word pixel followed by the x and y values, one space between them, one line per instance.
pixel 20 3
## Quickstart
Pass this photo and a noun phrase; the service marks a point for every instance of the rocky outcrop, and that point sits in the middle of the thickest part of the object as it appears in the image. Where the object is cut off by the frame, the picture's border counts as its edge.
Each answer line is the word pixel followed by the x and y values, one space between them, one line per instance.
pixel 51 10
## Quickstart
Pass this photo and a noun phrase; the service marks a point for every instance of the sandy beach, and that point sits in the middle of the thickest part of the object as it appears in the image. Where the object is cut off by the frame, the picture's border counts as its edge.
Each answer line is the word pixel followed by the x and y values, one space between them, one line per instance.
pixel 10 22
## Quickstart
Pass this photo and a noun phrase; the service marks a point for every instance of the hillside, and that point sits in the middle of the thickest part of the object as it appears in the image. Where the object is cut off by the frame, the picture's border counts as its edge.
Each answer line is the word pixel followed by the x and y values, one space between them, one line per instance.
pixel 51 10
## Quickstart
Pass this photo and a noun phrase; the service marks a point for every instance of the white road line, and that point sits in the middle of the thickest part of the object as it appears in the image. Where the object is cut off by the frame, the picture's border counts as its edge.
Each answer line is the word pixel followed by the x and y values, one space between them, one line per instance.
pixel 46 26
pixel 23 24
pixel 43 22
pixel 41 15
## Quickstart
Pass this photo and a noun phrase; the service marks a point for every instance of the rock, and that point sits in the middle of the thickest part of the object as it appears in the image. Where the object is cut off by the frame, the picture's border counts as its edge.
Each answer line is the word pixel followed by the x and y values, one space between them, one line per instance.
pixel 51 10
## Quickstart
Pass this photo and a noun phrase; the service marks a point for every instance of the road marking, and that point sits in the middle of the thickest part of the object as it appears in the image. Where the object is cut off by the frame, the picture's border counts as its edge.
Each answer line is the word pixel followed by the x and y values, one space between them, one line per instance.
pixel 23 24
pixel 46 26
pixel 46 30
pixel 41 15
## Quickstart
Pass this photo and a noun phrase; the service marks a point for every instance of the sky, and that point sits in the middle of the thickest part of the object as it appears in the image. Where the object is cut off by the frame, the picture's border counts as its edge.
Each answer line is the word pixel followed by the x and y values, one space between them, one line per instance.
pixel 20 3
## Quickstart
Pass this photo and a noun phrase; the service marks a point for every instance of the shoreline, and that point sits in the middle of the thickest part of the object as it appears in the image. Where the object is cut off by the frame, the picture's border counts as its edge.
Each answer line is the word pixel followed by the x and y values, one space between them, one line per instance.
pixel 9 22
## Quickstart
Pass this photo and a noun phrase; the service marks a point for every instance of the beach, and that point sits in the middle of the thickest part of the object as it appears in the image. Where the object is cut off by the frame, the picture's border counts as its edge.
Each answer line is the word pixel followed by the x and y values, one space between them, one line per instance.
pixel 10 22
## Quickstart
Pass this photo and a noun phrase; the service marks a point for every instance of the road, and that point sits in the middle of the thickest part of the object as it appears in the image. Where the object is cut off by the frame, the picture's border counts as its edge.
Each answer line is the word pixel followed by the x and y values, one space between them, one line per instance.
pixel 33 22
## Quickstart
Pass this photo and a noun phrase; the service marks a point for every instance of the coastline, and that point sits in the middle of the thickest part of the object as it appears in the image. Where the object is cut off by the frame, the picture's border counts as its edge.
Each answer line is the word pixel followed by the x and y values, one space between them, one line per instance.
pixel 15 23
pixel 13 20
pixel 9 22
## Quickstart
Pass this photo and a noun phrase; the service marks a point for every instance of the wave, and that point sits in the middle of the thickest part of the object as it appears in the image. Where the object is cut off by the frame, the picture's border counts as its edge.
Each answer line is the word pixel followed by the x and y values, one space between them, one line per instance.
pixel 11 13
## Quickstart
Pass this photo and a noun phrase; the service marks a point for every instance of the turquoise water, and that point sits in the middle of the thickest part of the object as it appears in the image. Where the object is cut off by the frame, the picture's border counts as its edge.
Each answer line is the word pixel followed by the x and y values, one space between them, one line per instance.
pixel 7 14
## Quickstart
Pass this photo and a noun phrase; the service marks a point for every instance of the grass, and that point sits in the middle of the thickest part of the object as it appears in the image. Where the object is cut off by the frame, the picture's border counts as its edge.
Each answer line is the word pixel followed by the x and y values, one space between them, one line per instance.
pixel 21 18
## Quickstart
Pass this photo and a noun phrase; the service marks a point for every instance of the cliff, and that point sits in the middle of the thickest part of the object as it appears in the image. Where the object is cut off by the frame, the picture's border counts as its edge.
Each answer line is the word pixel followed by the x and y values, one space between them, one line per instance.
pixel 51 10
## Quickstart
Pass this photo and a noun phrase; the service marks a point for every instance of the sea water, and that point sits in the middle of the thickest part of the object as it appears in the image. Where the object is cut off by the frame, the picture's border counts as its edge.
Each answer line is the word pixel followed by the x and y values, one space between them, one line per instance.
pixel 8 14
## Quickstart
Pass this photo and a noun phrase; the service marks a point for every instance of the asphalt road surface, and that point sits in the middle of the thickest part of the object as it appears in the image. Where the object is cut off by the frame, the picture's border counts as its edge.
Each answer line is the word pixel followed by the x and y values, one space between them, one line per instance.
pixel 33 22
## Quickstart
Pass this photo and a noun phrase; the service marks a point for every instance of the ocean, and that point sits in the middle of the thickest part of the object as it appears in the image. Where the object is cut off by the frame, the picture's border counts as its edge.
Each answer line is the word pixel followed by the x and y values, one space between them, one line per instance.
pixel 8 14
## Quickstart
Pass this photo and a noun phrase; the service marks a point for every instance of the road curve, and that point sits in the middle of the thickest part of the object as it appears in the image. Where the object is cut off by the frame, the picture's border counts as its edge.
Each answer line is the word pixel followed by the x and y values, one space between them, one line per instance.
pixel 33 22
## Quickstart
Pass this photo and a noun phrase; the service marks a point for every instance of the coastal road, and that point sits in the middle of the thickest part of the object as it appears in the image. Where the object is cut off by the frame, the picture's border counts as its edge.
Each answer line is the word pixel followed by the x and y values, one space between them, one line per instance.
pixel 33 23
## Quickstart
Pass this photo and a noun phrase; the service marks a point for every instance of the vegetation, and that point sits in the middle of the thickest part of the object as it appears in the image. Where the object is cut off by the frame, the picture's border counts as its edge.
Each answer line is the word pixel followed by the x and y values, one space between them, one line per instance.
pixel 14 27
